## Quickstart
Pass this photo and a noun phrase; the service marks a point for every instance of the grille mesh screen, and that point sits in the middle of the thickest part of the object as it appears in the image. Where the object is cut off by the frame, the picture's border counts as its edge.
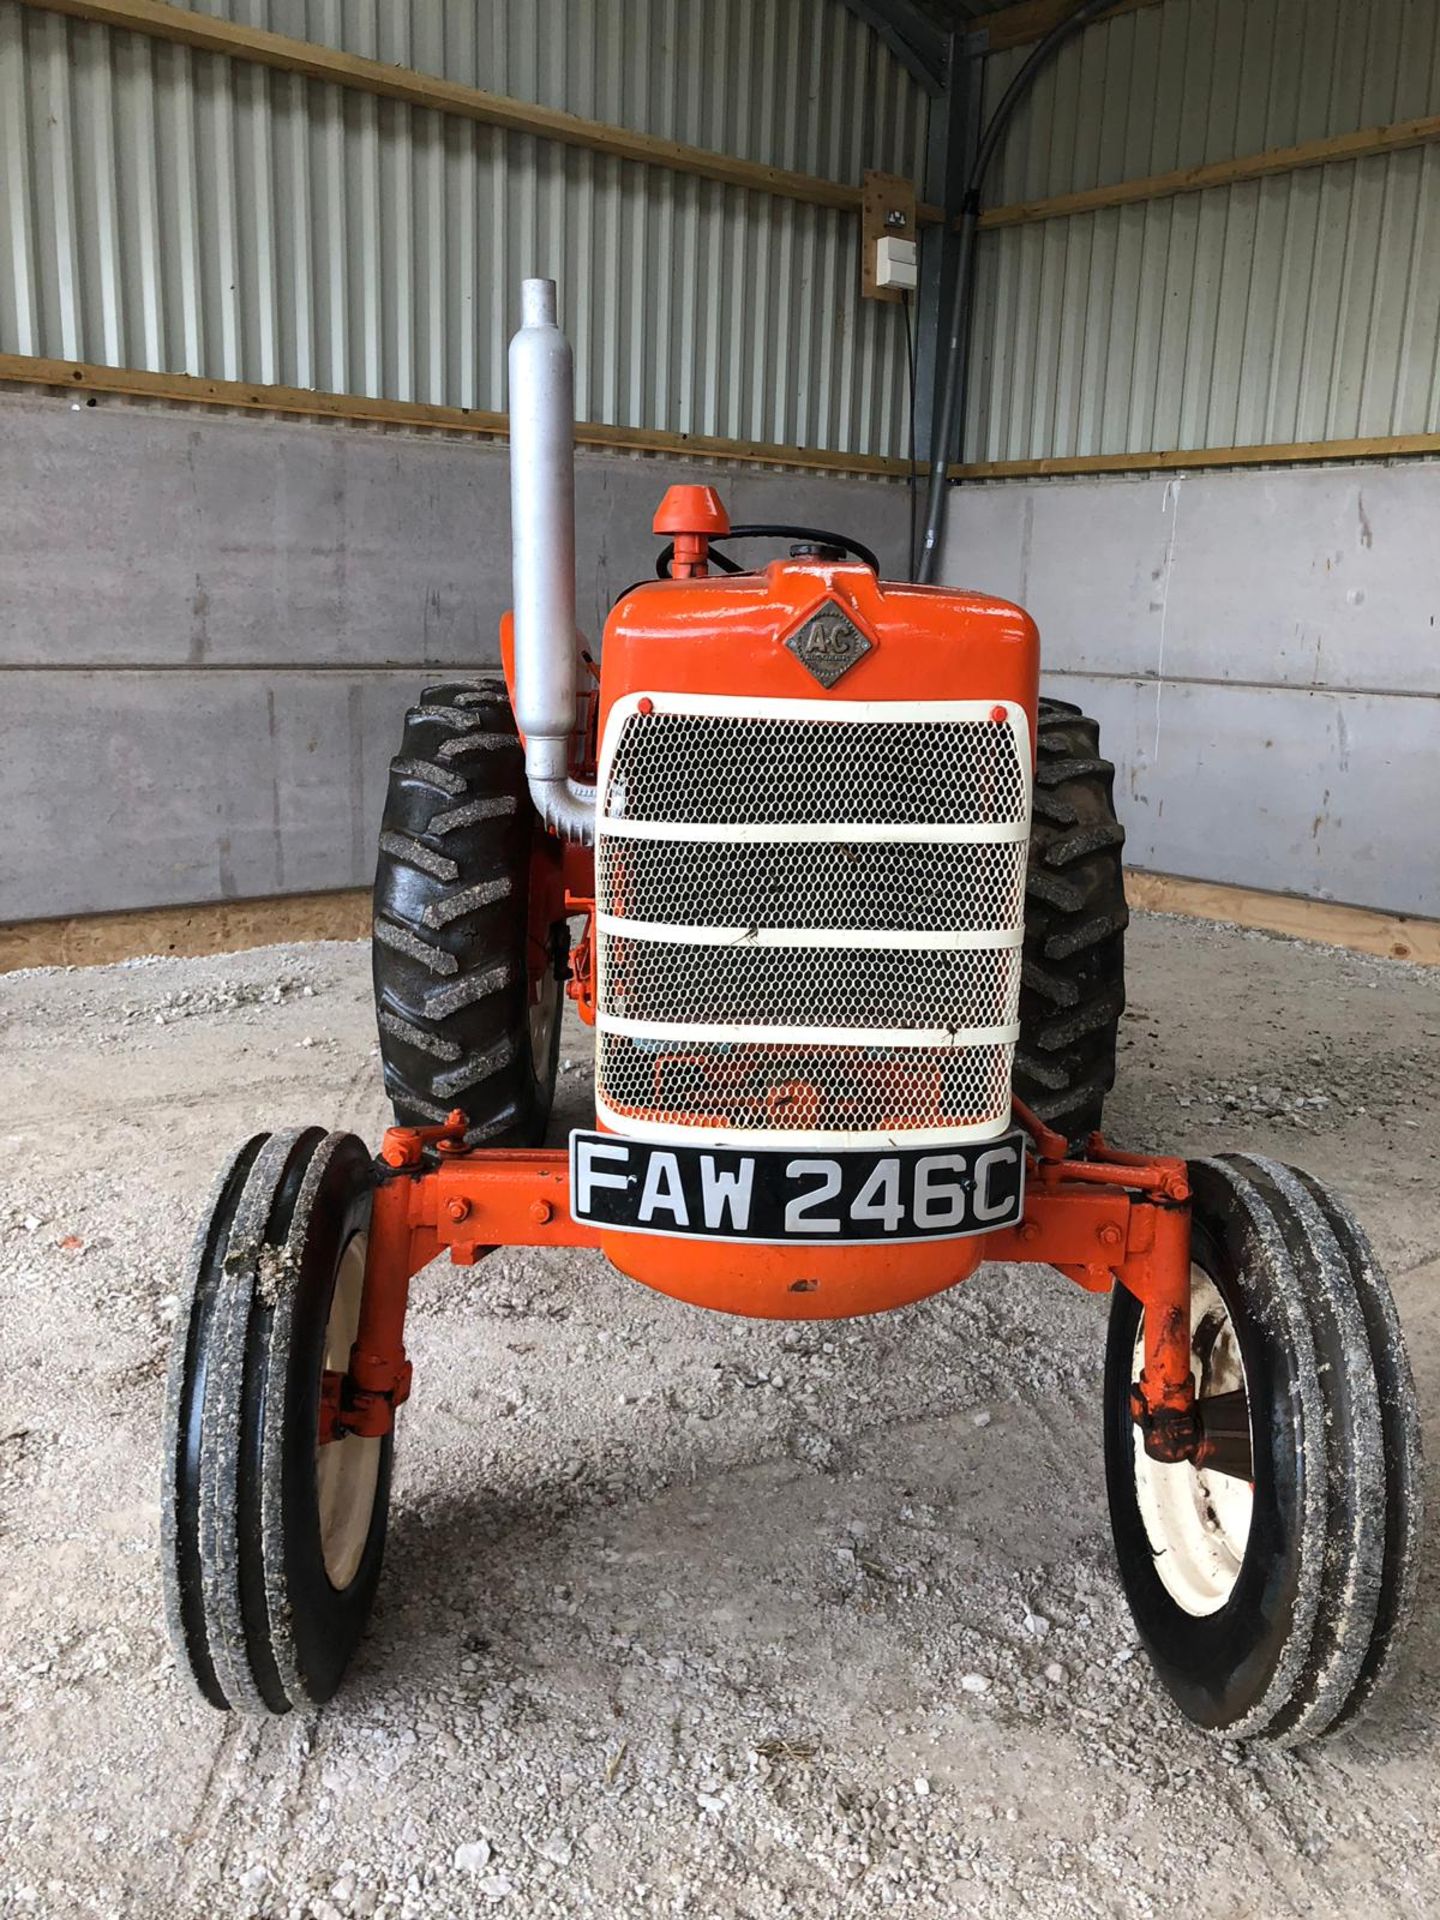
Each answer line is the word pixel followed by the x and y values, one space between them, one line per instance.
pixel 810 986
pixel 886 886
pixel 784 1089
pixel 686 777
pixel 727 768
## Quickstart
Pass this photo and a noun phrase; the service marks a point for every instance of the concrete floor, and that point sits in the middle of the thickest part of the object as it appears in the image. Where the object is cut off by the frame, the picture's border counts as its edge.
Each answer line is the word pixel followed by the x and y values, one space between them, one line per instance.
pixel 681 1615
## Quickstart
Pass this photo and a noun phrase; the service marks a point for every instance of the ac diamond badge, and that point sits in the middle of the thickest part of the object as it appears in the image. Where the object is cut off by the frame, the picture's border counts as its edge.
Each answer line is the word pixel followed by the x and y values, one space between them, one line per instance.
pixel 828 644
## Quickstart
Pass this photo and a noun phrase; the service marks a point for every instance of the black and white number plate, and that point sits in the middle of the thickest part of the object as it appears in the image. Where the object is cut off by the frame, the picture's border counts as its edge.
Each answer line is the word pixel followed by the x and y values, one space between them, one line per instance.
pixel 778 1195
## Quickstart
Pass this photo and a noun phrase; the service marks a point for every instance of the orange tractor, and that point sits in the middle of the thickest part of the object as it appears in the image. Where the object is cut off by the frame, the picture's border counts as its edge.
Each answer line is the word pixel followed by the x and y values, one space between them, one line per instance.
pixel 850 922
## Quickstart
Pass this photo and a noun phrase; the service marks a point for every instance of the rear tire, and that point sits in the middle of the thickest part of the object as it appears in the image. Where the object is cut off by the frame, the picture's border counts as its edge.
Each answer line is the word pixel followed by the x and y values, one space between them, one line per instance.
pixel 468 988
pixel 1072 986
pixel 1271 1609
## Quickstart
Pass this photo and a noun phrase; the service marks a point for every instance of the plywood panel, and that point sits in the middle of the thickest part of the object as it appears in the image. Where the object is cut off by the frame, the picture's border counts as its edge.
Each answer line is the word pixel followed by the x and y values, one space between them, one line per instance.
pixel 1327 795
pixel 138 536
pixel 1314 577
pixel 124 789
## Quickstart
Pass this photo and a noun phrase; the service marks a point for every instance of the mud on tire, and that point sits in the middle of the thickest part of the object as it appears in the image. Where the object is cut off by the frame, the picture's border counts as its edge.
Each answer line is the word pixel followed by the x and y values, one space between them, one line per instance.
pixel 454 956
pixel 1072 989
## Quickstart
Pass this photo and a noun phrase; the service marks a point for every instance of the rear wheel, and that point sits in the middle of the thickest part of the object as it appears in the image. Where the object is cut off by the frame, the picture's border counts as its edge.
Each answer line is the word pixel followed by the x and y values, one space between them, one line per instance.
pixel 1072 987
pixel 1270 1588
pixel 470 936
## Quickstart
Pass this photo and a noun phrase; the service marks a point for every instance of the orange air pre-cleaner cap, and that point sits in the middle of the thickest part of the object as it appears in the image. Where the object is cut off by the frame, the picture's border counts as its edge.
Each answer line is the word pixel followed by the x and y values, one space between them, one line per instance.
pixel 692 510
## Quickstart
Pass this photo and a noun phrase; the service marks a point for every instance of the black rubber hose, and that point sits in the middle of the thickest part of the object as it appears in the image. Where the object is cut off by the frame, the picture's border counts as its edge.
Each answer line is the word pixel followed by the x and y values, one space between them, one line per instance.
pixel 774 531
pixel 952 393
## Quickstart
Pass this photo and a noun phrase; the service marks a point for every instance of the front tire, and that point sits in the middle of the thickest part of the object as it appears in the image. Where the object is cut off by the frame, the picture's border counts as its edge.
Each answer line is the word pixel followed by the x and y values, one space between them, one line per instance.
pixel 1271 1606
pixel 272 1543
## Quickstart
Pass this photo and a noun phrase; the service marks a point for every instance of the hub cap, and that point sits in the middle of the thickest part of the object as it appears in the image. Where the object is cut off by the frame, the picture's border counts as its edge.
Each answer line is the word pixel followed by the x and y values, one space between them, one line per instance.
pixel 346 1470
pixel 1197 1519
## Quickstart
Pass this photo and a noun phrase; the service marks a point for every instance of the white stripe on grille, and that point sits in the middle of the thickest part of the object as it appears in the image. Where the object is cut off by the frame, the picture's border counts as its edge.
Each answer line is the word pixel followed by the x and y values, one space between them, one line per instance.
pixel 902 941
pixel 869 994
pixel 807 832
pixel 732 1031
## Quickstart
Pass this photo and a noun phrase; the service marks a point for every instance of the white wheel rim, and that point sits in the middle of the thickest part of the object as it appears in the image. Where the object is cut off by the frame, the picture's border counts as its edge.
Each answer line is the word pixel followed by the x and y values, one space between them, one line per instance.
pixel 1196 1520
pixel 347 1471
pixel 543 1014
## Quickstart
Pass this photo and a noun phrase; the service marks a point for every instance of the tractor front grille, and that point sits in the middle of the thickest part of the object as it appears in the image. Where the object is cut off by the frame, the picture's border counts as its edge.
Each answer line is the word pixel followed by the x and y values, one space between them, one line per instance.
pixel 809 919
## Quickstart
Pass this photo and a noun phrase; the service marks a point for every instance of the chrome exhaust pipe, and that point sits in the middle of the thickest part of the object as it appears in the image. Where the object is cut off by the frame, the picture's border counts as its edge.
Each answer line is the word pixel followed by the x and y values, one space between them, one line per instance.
pixel 542 556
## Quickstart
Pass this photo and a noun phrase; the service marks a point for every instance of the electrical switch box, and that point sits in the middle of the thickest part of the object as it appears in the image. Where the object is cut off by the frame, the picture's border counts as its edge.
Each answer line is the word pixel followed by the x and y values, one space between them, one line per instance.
pixel 895 264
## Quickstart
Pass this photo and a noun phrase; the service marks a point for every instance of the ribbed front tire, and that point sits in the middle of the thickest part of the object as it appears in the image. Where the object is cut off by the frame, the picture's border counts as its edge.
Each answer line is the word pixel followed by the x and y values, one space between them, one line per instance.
pixel 467 977
pixel 1271 1592
pixel 272 1539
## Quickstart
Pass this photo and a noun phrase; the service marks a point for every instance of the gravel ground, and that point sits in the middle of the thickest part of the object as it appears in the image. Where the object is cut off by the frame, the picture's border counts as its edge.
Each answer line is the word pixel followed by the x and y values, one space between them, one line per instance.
pixel 681 1615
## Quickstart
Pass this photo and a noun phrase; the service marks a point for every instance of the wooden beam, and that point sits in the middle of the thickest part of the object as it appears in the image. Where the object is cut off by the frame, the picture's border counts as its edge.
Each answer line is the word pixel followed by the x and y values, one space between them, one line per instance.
pixel 85 377
pixel 1394 936
pixel 1016 26
pixel 206 34
pixel 419 416
pixel 230 926
pixel 1392 446
pixel 1334 148
pixel 227 926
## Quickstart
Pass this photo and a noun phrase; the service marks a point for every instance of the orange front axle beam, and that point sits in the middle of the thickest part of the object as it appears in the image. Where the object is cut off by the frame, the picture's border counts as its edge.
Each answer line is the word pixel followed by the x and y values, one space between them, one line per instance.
pixel 1106 1219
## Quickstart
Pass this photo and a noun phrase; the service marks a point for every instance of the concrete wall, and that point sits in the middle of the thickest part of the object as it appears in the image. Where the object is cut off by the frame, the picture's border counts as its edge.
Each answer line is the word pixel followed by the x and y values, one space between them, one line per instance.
pixel 1262 650
pixel 210 627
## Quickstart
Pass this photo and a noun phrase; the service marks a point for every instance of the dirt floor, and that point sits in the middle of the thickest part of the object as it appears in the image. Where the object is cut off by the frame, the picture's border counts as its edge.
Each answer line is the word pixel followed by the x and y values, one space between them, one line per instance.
pixel 680 1615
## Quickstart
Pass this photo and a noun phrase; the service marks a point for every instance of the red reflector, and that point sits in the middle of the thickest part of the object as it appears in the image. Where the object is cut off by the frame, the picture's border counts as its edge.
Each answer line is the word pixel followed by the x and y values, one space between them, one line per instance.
pixel 999 716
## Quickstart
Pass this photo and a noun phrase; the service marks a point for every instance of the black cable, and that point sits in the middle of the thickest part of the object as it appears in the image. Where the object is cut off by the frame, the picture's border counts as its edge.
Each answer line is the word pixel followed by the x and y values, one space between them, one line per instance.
pixel 773 531
pixel 912 482
pixel 953 389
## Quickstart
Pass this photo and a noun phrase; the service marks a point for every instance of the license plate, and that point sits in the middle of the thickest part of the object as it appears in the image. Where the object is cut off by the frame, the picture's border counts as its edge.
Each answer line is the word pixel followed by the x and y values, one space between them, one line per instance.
pixel 781 1195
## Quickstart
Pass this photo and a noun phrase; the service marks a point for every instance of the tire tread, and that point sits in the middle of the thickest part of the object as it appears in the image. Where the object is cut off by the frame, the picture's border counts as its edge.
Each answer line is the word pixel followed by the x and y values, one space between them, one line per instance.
pixel 1350 1569
pixel 1072 987
pixel 450 931
pixel 181 1567
pixel 229 1608
pixel 1319 1309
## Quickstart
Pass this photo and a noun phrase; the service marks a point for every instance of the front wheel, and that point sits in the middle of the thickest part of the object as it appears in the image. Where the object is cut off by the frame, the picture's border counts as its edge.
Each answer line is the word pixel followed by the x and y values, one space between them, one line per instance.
pixel 1270 1588
pixel 273 1532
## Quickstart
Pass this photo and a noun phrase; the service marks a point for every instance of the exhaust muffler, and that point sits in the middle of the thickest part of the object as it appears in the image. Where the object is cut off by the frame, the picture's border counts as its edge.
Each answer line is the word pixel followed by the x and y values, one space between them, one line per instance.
pixel 542 552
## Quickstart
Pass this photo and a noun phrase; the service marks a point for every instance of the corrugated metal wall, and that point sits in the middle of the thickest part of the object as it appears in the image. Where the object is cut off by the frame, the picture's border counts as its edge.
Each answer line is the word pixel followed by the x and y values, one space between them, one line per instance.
pixel 183 212
pixel 1301 307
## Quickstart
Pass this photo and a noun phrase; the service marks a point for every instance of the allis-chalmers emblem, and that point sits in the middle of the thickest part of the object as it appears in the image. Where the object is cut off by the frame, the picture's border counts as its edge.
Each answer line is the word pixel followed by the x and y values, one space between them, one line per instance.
pixel 828 644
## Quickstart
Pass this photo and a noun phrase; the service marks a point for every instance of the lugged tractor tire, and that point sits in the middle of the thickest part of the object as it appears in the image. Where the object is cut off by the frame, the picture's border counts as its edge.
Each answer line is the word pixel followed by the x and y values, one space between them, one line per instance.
pixel 1072 983
pixel 454 953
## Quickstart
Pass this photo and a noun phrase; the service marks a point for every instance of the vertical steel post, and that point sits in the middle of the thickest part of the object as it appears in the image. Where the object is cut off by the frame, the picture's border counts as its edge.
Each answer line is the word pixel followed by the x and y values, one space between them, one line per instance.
pixel 953 138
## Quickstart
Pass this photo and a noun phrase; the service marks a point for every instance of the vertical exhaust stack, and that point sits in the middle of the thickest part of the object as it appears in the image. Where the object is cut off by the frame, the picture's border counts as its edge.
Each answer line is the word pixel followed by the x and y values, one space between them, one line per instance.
pixel 542 536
